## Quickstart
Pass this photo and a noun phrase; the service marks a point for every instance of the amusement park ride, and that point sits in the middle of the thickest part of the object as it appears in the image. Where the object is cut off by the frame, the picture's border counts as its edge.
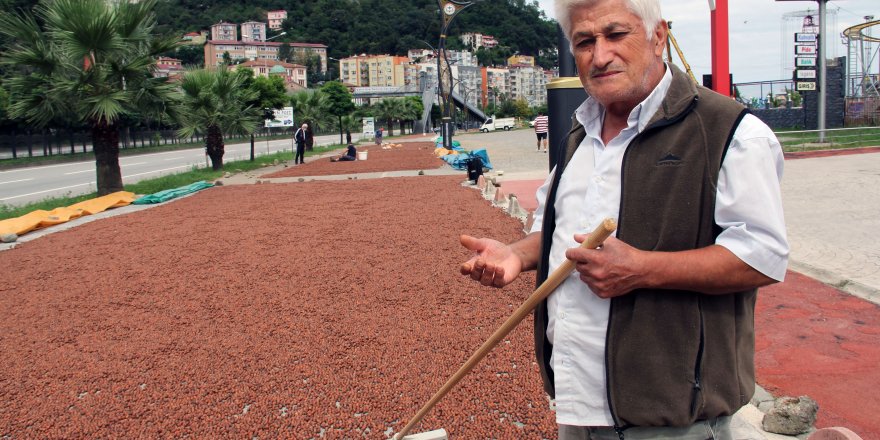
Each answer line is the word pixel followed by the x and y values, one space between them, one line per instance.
pixel 861 54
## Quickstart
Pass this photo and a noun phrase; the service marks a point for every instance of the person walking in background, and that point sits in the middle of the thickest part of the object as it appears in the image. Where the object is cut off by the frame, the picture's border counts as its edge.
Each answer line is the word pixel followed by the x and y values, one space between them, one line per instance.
pixel 541 123
pixel 300 138
pixel 652 336
pixel 379 136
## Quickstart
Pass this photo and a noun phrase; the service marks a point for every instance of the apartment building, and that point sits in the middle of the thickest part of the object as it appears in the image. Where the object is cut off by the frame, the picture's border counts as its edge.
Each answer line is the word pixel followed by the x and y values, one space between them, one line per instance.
pixel 377 71
pixel 253 31
pixel 275 18
pixel 497 81
pixel 295 75
pixel 529 83
pixel 224 31
pixel 259 50
pixel 521 60
pixel 477 40
pixel 167 67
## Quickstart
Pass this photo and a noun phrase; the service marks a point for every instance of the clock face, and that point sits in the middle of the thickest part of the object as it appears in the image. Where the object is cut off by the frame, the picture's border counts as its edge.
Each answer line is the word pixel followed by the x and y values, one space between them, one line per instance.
pixel 449 9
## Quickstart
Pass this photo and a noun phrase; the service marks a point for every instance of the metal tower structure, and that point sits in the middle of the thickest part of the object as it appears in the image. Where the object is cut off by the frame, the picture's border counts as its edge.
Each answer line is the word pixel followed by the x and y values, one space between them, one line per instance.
pixel 862 52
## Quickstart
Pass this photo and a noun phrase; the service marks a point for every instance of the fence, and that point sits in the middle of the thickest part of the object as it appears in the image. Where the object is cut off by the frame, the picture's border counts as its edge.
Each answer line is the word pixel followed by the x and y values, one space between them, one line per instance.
pixel 863 111
pixel 805 140
pixel 57 142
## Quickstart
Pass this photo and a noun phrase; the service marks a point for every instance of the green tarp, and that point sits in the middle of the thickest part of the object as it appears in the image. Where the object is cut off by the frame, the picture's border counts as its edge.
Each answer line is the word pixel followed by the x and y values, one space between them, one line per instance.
pixel 168 194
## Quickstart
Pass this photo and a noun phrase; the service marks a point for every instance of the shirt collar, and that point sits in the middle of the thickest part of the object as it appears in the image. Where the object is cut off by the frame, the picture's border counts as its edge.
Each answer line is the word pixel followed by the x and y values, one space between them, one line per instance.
pixel 591 113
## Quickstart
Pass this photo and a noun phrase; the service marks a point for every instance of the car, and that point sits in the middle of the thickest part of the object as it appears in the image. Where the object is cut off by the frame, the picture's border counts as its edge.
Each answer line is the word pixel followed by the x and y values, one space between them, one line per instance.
pixel 532 123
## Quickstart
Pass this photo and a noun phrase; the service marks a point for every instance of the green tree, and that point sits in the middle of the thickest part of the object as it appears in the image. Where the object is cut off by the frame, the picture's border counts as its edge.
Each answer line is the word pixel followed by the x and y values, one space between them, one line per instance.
pixel 310 106
pixel 217 102
pixel 270 95
pixel 521 108
pixel 87 60
pixel 285 52
pixel 339 102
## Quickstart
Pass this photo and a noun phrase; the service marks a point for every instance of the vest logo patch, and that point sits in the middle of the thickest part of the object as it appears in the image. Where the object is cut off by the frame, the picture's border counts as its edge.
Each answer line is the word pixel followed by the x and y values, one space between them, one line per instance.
pixel 670 160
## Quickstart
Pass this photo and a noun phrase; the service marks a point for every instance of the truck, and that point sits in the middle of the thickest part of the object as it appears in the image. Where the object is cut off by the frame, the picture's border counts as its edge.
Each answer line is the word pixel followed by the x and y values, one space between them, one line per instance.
pixel 494 123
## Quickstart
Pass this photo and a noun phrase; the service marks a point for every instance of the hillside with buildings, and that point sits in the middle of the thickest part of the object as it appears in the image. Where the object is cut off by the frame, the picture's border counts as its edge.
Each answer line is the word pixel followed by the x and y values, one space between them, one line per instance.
pixel 375 26
pixel 388 51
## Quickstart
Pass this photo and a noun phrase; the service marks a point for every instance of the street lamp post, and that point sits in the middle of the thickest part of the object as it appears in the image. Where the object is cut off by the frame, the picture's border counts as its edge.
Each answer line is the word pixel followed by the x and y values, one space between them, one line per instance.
pixel 340 66
pixel 266 69
pixel 448 10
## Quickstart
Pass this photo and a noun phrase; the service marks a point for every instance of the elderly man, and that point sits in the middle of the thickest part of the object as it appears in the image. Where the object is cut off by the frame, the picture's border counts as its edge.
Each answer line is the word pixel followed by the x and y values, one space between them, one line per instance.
pixel 300 137
pixel 653 335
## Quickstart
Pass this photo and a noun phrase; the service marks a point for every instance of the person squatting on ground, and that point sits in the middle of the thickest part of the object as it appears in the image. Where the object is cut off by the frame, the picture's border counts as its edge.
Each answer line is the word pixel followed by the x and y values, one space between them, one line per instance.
pixel 350 154
pixel 652 336
pixel 300 138
pixel 541 124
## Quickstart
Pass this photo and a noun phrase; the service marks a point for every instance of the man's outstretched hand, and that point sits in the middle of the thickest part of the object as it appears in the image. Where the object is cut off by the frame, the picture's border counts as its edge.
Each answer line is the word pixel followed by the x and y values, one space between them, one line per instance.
pixel 494 263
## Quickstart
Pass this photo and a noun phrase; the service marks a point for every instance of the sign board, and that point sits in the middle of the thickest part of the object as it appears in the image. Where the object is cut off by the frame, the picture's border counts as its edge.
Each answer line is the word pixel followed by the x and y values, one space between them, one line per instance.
pixel 805 49
pixel 801 86
pixel 805 61
pixel 801 37
pixel 283 118
pixel 369 126
pixel 806 74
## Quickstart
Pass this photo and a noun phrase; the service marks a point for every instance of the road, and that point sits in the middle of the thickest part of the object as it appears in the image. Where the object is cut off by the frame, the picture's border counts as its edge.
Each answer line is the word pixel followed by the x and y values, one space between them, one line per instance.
pixel 27 185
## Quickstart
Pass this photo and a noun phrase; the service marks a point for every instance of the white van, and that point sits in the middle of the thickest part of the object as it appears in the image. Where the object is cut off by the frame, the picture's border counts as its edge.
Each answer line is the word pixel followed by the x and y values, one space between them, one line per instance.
pixel 494 123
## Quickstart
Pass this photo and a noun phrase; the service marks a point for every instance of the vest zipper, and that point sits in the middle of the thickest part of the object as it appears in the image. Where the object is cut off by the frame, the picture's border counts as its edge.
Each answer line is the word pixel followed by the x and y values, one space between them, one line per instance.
pixel 698 388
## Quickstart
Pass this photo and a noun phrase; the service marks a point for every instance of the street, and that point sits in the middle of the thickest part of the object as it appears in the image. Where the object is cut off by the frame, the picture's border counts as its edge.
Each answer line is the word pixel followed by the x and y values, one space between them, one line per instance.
pixel 26 185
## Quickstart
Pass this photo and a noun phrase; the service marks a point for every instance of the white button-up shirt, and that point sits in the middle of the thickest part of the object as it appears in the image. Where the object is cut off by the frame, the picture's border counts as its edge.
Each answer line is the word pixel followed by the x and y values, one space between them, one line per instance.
pixel 748 208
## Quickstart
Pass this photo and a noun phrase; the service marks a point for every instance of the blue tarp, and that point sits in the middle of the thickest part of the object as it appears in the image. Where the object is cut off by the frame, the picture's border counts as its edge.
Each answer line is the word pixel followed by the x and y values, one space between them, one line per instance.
pixel 168 194
pixel 460 161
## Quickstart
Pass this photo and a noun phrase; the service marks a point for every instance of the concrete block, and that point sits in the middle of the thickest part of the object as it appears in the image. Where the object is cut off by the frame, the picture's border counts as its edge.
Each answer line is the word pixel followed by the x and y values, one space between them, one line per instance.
pixel 437 434
pixel 489 192
pixel 500 199
pixel 530 220
pixel 481 182
pixel 836 433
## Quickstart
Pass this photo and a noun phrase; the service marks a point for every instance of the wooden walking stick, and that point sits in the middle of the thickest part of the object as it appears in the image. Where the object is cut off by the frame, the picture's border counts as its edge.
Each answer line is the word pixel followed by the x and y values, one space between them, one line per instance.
pixel 593 241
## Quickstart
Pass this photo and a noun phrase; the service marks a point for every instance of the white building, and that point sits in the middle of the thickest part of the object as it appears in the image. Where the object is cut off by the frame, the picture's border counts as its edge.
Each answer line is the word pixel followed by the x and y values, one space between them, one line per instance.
pixel 253 31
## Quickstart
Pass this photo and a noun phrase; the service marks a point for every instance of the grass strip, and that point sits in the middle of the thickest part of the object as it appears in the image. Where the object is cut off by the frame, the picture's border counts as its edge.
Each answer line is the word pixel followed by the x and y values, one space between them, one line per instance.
pixel 150 186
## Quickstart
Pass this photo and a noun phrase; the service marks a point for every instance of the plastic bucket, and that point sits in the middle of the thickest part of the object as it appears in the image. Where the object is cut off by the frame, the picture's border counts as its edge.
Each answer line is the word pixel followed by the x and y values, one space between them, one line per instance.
pixel 362 155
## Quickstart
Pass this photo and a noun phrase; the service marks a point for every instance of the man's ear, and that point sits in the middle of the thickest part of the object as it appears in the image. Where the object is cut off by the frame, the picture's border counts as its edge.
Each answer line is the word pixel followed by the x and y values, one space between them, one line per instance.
pixel 661 32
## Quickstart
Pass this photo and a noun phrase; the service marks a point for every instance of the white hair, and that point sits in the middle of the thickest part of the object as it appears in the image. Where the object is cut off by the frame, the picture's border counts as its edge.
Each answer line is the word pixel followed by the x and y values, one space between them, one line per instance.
pixel 647 10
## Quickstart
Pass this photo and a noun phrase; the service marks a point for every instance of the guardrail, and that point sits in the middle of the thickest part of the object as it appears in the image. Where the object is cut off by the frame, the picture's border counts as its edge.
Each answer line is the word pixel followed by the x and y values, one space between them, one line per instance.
pixel 836 138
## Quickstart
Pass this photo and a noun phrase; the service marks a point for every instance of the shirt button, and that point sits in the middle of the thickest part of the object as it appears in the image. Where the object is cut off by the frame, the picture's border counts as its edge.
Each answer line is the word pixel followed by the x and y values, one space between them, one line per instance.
pixel 562 315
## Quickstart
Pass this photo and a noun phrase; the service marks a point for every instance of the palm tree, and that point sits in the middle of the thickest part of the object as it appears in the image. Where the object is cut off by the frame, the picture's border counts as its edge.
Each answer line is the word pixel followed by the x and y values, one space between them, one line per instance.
pixel 391 109
pixel 92 61
pixel 216 102
pixel 310 107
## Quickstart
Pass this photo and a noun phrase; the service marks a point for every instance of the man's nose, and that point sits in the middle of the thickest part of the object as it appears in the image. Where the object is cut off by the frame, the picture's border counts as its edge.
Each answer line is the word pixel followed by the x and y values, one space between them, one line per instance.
pixel 603 53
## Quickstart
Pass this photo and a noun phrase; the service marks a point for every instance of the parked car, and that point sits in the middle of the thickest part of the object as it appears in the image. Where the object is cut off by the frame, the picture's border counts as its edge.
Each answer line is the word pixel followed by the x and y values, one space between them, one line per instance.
pixel 532 123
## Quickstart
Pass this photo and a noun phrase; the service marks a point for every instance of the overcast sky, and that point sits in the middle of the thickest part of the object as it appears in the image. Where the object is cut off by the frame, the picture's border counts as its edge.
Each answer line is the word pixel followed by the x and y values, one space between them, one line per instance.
pixel 756 33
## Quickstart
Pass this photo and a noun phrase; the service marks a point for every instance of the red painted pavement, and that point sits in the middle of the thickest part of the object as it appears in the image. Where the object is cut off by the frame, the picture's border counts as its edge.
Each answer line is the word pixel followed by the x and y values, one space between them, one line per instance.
pixel 815 340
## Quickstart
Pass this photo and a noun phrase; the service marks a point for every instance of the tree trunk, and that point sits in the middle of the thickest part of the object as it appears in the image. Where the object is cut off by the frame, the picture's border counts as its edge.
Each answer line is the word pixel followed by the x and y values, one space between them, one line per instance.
pixel 340 130
pixel 215 147
pixel 105 143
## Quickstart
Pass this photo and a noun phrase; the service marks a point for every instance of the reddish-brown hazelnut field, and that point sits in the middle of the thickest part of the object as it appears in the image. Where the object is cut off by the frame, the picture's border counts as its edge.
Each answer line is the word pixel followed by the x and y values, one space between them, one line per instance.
pixel 320 309
pixel 400 157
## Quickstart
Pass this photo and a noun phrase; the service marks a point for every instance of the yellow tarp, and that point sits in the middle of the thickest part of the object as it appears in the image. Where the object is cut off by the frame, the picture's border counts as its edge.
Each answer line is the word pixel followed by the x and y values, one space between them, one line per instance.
pixel 42 218
pixel 440 152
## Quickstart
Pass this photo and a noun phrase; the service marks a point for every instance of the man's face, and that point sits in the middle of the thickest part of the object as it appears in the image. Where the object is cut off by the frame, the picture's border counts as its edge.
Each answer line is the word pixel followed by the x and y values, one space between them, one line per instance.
pixel 617 64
